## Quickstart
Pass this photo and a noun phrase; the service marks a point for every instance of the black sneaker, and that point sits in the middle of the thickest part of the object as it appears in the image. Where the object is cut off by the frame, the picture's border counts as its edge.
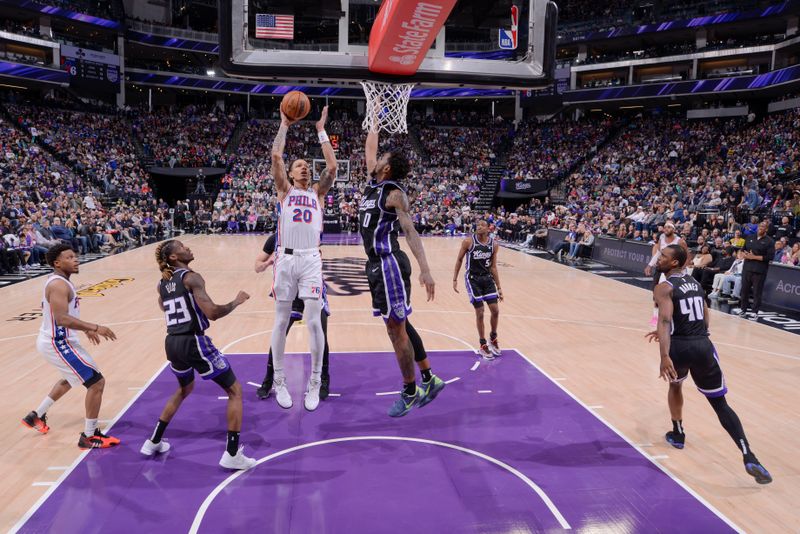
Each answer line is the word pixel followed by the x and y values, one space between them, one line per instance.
pixel 325 387
pixel 264 391
pixel 757 471
pixel 676 439
pixel 39 424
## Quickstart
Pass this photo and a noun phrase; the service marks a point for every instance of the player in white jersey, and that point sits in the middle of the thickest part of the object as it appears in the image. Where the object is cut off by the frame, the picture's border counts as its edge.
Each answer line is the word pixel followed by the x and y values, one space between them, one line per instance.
pixel 58 343
pixel 667 238
pixel 298 264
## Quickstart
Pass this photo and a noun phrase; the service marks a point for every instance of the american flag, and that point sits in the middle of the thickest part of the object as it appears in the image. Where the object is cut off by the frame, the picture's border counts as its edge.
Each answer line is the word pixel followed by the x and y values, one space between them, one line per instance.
pixel 274 26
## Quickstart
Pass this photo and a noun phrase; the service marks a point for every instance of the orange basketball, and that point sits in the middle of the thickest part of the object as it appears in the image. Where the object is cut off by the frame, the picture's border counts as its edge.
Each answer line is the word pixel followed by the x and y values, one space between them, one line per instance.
pixel 295 105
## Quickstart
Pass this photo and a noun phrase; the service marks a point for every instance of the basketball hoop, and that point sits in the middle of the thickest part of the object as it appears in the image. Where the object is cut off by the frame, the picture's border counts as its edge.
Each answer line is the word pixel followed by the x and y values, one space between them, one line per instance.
pixel 387 106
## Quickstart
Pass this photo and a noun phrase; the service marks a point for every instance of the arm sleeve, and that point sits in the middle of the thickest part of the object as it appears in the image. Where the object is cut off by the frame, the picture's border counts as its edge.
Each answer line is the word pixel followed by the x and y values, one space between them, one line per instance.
pixel 269 245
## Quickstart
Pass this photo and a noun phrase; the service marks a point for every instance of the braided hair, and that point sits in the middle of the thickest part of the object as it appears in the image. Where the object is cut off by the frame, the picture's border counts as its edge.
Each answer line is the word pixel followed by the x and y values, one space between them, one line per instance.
pixel 163 251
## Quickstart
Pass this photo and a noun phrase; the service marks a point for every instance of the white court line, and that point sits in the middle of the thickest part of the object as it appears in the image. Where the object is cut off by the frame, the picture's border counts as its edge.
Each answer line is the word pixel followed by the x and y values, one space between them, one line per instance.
pixel 222 398
pixel 476 365
pixel 81 456
pixel 659 457
pixel 643 444
pixel 42 483
pixel 595 407
pixel 58 467
pixel 334 394
pixel 198 518
pixel 387 393
pixel 484 391
pixel 254 384
pixel 638 448
pixel 452 380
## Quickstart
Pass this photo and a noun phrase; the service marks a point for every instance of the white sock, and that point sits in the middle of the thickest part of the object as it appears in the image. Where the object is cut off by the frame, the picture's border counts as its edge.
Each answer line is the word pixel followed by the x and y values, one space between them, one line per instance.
pixel 89 427
pixel 312 317
pixel 283 312
pixel 44 406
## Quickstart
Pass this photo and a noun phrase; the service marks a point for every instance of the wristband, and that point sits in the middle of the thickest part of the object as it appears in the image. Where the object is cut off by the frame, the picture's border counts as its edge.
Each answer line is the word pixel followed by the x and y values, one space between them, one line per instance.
pixel 654 259
pixel 323 137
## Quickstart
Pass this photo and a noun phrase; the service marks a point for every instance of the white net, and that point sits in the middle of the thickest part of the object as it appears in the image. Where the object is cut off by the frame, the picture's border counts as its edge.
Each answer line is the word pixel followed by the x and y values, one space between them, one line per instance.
pixel 387 105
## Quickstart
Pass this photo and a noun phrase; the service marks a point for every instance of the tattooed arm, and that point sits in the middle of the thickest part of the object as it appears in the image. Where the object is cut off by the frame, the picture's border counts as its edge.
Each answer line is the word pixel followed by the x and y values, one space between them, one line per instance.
pixel 278 166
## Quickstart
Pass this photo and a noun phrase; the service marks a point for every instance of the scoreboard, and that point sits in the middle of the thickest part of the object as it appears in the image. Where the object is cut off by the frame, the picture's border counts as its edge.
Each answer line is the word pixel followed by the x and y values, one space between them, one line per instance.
pixel 90 69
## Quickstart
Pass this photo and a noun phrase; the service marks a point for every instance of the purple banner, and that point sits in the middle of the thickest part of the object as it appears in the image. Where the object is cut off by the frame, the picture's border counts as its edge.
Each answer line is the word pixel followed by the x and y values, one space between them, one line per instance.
pixel 722 18
pixel 65 13
pixel 33 72
pixel 655 90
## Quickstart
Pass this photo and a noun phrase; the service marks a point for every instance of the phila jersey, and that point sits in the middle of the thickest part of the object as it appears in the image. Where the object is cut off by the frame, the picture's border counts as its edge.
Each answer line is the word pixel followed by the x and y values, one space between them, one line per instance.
pixel 182 314
pixel 377 223
pixel 299 220
pixel 49 329
pixel 479 258
pixel 688 311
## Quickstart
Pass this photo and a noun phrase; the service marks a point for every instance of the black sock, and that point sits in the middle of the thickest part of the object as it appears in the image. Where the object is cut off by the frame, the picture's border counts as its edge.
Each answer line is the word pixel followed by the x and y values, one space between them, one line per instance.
pixel 677 426
pixel 416 343
pixel 482 341
pixel 732 425
pixel 410 388
pixel 161 426
pixel 492 335
pixel 233 442
pixel 427 374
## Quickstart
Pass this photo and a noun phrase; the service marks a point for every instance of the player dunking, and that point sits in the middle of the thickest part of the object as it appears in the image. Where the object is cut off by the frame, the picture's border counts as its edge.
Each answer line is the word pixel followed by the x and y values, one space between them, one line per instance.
pixel 266 258
pixel 482 283
pixel 382 213
pixel 58 343
pixel 298 264
pixel 187 308
pixel 685 346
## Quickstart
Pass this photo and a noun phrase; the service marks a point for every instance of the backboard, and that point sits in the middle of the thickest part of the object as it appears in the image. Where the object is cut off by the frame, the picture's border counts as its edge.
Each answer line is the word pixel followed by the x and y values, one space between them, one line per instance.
pixel 326 42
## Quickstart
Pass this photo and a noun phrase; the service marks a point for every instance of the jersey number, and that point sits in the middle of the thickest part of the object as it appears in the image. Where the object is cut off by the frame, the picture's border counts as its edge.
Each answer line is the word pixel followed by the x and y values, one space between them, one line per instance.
pixel 367 217
pixel 176 311
pixel 693 307
pixel 302 215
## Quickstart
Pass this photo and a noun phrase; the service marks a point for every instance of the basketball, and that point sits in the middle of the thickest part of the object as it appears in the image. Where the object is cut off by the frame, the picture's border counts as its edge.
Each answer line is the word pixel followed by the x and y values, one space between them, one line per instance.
pixel 295 105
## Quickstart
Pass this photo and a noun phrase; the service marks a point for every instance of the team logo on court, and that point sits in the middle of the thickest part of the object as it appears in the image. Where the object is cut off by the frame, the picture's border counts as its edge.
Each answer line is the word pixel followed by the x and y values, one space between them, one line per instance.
pixel 96 290
pixel 345 276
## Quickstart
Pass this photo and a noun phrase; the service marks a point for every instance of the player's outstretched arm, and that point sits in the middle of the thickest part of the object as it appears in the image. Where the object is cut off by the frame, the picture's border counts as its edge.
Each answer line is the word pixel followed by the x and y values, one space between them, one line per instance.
pixel 399 201
pixel 493 270
pixel 465 244
pixel 278 166
pixel 195 283
pixel 328 174
pixel 371 151
pixel 663 298
pixel 264 260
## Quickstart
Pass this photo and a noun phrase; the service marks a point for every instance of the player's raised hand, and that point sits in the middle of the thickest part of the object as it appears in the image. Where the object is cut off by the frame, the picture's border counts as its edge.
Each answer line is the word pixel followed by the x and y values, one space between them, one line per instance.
pixel 323 119
pixel 426 280
pixel 241 298
pixel 285 120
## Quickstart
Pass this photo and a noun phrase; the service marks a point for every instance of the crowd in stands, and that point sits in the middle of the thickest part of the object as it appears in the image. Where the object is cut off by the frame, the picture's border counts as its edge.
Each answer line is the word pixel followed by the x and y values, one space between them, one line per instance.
pixel 76 175
pixel 190 137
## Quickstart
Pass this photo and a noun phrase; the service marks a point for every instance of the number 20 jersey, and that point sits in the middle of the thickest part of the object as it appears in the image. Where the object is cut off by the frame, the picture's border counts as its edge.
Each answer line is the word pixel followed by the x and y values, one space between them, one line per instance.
pixel 182 314
pixel 299 220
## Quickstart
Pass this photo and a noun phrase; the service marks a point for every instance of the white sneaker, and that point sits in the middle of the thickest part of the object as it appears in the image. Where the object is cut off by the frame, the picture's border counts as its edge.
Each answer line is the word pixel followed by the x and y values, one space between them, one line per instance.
pixel 495 350
pixel 149 448
pixel 282 393
pixel 240 461
pixel 312 395
pixel 485 353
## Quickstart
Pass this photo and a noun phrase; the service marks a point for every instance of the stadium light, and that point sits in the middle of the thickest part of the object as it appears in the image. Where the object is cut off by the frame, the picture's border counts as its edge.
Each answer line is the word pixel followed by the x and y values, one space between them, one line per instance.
pixel 210 72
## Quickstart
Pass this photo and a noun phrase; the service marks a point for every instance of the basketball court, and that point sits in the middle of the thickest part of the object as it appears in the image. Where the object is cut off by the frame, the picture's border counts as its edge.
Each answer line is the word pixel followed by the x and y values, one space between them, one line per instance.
pixel 564 431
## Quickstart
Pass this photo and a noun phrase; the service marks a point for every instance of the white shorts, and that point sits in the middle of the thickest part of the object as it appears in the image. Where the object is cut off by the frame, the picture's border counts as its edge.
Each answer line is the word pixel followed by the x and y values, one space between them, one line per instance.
pixel 71 360
pixel 298 275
